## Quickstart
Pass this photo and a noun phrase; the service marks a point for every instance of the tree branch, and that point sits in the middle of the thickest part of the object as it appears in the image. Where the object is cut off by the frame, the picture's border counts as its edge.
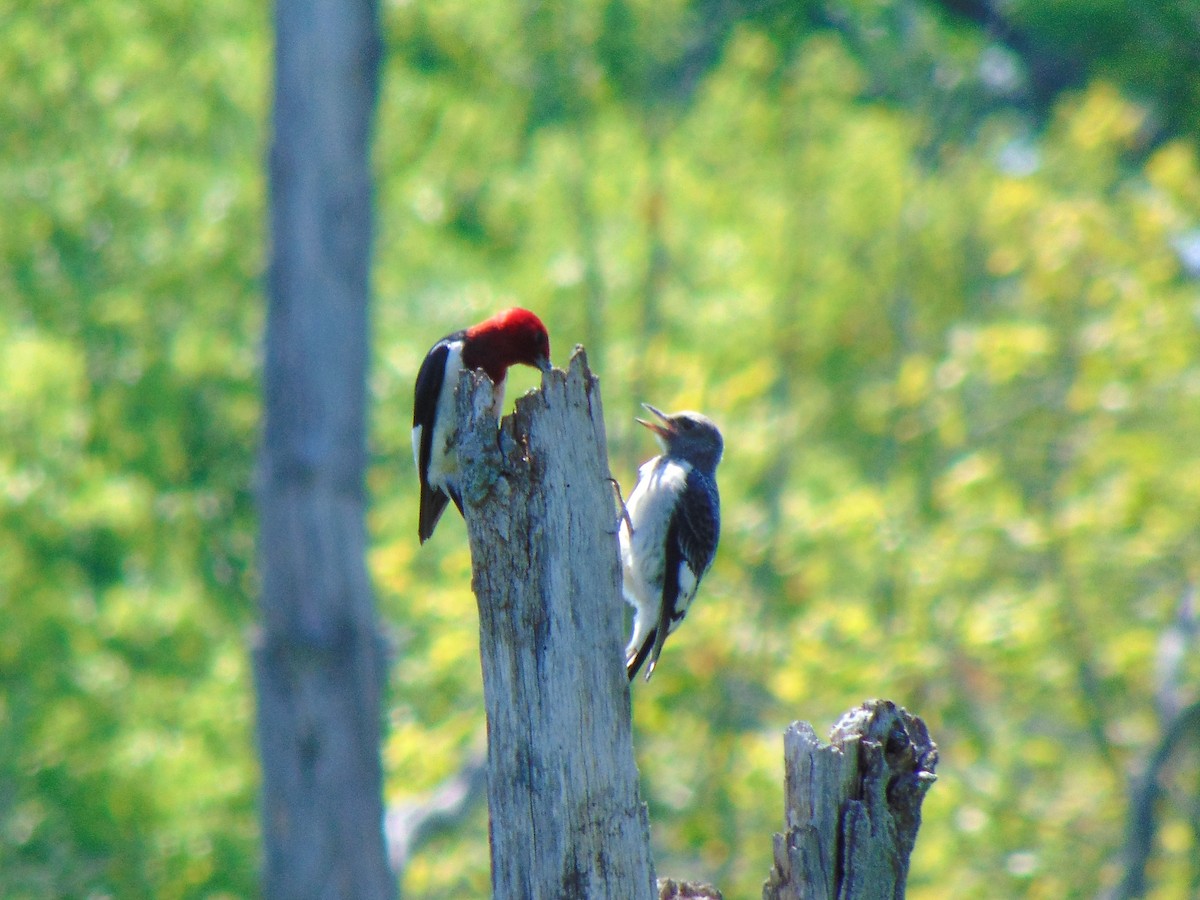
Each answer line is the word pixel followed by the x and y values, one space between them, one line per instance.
pixel 1175 646
pixel 1051 69
pixel 1139 840
pixel 409 826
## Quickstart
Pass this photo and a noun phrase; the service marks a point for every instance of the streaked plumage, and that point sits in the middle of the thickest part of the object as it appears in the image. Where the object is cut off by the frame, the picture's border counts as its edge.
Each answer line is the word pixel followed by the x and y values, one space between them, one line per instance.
pixel 675 511
pixel 514 336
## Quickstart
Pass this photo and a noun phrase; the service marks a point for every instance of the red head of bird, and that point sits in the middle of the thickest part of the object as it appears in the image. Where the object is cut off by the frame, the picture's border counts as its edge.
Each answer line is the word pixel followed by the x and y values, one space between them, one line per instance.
pixel 510 337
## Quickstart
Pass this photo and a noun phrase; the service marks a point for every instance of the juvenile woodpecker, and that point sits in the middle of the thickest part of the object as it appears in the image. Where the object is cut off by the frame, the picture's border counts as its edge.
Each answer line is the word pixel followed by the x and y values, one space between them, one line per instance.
pixel 511 337
pixel 669 537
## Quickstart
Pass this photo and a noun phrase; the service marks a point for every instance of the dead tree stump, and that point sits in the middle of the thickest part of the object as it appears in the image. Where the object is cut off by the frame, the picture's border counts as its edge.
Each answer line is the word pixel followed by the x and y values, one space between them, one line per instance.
pixel 853 806
pixel 566 819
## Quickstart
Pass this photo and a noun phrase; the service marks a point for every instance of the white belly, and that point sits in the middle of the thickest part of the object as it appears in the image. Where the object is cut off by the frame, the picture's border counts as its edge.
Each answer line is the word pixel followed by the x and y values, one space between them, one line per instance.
pixel 443 461
pixel 650 506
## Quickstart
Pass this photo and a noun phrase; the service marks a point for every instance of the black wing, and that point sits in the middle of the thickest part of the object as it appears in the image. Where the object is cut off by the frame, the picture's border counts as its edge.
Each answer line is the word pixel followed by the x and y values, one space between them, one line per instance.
pixel 697 521
pixel 425 399
pixel 692 537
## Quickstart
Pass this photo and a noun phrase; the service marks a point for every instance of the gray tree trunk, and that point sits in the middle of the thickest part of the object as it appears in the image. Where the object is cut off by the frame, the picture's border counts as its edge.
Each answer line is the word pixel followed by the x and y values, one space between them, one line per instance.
pixel 566 817
pixel 853 806
pixel 319 662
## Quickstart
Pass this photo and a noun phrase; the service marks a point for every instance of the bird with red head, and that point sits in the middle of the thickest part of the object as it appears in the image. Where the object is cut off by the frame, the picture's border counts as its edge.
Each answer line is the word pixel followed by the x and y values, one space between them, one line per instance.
pixel 510 337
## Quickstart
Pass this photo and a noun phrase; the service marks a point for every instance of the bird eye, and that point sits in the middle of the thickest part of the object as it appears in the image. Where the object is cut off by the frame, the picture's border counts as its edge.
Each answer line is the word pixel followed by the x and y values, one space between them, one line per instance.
pixel 687 424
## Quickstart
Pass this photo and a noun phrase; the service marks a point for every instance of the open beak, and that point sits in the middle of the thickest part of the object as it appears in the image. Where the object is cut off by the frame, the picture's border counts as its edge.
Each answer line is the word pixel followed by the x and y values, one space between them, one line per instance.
pixel 665 430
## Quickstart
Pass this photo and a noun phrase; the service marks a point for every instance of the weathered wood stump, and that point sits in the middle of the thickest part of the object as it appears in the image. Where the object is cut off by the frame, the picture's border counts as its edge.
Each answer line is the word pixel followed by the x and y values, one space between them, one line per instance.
pixel 565 812
pixel 853 806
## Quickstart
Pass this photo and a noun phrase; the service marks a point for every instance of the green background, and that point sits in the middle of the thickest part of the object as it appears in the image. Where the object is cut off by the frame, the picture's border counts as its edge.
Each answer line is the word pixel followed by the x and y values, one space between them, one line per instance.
pixel 947 320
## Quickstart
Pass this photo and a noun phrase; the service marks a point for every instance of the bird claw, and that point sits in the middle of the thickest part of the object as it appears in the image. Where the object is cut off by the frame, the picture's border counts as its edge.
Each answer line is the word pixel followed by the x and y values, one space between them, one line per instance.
pixel 624 517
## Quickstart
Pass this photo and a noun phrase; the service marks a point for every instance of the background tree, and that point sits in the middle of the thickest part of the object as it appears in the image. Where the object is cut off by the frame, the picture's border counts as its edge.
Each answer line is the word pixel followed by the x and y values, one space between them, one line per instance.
pixel 320 664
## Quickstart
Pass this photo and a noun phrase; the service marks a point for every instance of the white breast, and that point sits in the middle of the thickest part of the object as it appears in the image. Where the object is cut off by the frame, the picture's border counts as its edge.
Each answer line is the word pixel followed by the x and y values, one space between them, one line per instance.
pixel 650 507
pixel 443 462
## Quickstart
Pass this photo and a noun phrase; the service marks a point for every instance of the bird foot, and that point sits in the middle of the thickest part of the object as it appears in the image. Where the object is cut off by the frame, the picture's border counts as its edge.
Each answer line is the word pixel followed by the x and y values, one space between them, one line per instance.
pixel 624 516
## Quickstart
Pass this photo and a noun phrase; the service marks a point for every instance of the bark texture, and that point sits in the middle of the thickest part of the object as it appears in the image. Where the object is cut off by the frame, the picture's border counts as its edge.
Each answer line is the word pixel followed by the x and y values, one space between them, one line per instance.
pixel 319 663
pixel 670 889
pixel 853 806
pixel 566 817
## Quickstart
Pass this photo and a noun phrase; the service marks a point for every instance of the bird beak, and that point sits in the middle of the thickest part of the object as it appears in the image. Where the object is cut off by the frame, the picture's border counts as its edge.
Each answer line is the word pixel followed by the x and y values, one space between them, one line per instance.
pixel 543 363
pixel 665 430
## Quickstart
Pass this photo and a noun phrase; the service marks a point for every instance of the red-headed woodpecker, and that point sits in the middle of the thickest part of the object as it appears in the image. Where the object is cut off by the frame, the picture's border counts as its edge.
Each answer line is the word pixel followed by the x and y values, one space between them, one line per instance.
pixel 669 537
pixel 514 336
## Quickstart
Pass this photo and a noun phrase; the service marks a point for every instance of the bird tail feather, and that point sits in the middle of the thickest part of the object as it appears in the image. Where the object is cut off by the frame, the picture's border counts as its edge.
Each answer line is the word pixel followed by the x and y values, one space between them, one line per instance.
pixel 635 660
pixel 433 504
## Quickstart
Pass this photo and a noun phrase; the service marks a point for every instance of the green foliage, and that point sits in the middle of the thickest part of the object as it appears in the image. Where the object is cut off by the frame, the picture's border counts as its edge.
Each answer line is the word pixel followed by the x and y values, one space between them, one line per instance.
pixel 953 350
pixel 129 311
